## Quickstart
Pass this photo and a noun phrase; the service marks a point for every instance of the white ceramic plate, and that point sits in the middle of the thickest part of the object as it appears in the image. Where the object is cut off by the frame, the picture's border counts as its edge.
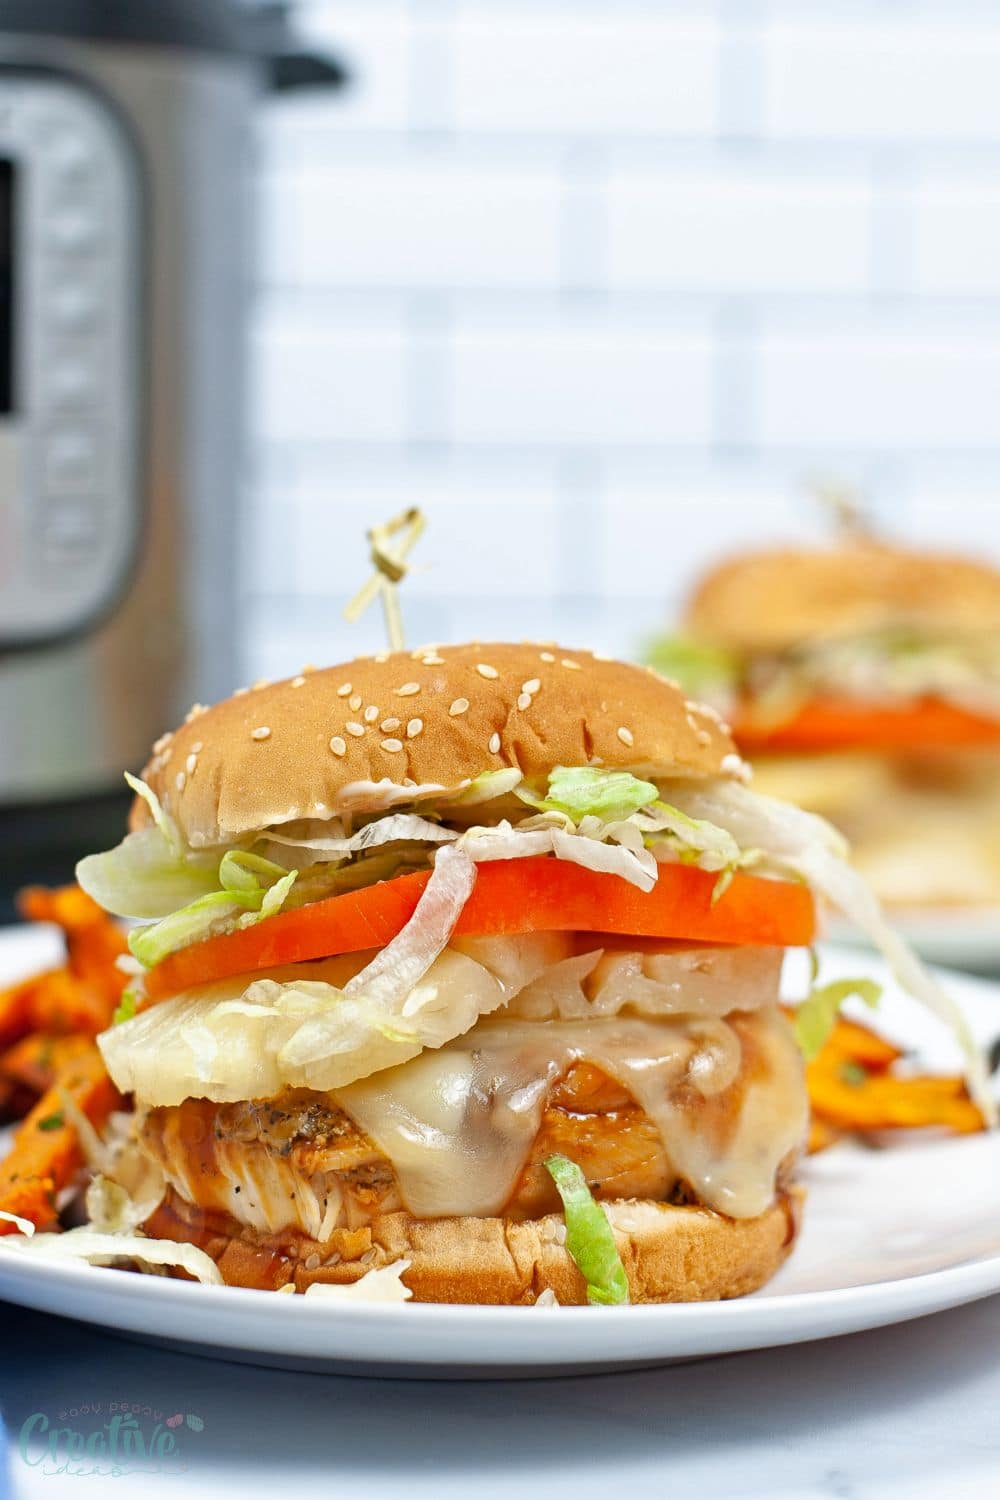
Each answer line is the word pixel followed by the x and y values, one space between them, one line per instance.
pixel 964 937
pixel 889 1234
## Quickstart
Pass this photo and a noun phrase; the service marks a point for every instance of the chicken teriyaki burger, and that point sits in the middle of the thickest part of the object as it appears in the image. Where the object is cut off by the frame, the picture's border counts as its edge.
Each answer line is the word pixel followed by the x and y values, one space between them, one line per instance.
pixel 464 963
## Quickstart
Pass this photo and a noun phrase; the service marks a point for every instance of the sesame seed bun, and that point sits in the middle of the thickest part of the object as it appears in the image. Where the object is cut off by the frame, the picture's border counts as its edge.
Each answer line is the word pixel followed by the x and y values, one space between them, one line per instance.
pixel 376 730
pixel 670 1254
pixel 770 601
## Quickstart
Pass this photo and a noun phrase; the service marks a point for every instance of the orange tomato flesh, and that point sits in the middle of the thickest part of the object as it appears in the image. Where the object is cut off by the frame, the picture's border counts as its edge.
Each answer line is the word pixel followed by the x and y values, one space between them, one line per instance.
pixel 831 724
pixel 540 894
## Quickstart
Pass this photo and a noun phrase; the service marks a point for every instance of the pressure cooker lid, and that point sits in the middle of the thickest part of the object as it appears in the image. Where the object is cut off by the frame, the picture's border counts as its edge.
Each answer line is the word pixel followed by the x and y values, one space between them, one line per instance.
pixel 202 25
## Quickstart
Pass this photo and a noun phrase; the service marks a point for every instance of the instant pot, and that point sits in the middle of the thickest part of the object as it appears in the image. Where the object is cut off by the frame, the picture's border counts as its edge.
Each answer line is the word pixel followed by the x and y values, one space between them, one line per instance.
pixel 125 256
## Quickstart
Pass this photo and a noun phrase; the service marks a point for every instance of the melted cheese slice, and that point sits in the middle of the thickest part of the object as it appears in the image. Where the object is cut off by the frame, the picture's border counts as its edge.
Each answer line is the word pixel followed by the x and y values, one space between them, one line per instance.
pixel 727 1095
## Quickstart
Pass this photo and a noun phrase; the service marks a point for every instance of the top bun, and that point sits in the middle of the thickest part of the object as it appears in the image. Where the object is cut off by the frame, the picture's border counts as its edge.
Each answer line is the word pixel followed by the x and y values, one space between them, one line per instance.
pixel 769 601
pixel 383 729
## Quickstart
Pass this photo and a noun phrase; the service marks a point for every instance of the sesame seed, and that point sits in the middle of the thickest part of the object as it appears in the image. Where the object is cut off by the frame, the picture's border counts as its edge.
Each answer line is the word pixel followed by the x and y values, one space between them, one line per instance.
pixel 601 656
pixel 191 762
pixel 310 666
pixel 371 713
pixel 392 745
pixel 382 656
pixel 355 701
pixel 181 778
pixel 356 729
pixel 194 712
pixel 459 706
pixel 260 733
pixel 338 745
pixel 626 736
pixel 546 656
pixel 485 670
pixel 388 725
pixel 298 681
pixel 692 722
pixel 432 661
pixel 262 682
pixel 197 747
pixel 407 690
pixel 494 743
pixel 703 737
pixel 343 690
pixel 574 666
pixel 241 692
pixel 524 701
pixel 162 743
pixel 531 686
pixel 413 728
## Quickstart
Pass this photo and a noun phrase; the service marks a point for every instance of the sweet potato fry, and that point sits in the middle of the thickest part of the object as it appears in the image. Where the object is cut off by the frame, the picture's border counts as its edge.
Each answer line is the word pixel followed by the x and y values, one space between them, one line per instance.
pixel 14 1012
pixel 850 1098
pixel 37 1060
pixel 93 939
pixel 849 1039
pixel 821 1135
pixel 46 1151
pixel 63 1004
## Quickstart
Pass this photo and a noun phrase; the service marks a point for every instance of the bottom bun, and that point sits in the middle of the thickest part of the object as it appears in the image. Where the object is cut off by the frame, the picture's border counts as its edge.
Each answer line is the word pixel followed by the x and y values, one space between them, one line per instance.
pixel 670 1254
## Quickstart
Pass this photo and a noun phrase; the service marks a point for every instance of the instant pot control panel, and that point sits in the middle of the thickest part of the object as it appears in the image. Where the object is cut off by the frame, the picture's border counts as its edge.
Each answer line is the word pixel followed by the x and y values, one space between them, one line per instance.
pixel 71 315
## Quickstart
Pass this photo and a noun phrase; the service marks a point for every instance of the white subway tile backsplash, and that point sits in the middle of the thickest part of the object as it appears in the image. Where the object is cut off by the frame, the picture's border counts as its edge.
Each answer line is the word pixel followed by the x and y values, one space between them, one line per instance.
pixel 657 540
pixel 374 44
pixel 627 275
pixel 868 388
pixel 475 541
pixel 576 383
pixel 565 69
pixel 957 237
pixel 884 79
pixel 737 230
pixel 329 380
pixel 417 221
pixel 956 517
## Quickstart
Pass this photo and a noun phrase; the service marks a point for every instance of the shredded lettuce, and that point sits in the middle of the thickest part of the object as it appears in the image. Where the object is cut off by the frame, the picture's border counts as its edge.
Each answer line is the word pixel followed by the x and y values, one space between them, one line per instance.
pixel 384 1284
pixel 698 666
pixel 144 877
pixel 125 1009
pixel 103 1249
pixel 589 1238
pixel 151 872
pixel 396 828
pixel 242 895
pixel 396 970
pixel 165 824
pixel 487 787
pixel 817 1014
pixel 576 846
pixel 801 844
pixel 23 1226
pixel 588 791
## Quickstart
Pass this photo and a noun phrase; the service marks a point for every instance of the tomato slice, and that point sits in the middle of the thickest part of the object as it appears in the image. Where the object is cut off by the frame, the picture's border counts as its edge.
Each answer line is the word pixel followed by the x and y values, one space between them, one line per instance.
pixel 833 724
pixel 510 896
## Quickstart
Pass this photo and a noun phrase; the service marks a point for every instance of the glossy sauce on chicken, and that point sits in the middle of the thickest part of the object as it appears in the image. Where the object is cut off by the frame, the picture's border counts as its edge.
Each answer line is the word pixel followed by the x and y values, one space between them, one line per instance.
pixel 703 1103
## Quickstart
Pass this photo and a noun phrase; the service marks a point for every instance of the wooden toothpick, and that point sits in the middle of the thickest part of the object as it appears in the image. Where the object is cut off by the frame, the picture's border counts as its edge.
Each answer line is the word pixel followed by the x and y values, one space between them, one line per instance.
pixel 844 506
pixel 389 545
